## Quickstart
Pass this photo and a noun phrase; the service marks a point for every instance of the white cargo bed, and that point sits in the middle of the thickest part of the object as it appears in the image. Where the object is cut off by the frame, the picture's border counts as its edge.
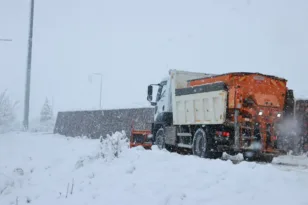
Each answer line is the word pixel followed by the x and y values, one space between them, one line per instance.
pixel 204 104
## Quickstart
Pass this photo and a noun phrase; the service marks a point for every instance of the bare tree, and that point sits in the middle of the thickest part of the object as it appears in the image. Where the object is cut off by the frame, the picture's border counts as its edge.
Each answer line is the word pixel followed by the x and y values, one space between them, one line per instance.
pixel 7 109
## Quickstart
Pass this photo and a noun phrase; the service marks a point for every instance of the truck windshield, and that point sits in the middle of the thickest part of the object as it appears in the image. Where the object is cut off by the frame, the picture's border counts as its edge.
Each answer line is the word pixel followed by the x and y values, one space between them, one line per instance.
pixel 160 90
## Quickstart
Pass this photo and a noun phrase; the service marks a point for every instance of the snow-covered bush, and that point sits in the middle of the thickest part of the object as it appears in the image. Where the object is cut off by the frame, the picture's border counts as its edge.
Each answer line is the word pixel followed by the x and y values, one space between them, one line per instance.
pixel 7 112
pixel 112 146
pixel 6 184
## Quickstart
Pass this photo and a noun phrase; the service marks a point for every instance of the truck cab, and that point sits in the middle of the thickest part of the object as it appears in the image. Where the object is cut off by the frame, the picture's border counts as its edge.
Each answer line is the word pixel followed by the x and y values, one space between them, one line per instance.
pixel 162 100
pixel 160 96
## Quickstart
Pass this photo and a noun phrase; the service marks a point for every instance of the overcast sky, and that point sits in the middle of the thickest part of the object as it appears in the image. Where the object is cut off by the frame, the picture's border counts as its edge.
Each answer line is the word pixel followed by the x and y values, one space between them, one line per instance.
pixel 134 43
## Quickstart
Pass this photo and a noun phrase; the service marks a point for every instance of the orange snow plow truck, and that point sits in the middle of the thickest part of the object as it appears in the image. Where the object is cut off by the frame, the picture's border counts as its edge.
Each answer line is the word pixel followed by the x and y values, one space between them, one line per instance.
pixel 211 114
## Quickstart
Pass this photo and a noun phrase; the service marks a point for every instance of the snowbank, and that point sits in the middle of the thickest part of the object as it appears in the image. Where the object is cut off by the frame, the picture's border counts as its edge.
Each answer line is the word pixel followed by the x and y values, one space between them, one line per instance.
pixel 34 126
pixel 292 160
pixel 51 169
pixel 10 127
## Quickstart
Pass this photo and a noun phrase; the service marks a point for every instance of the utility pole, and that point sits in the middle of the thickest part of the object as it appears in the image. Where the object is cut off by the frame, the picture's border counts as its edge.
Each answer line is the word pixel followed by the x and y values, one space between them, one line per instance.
pixel 100 92
pixel 28 71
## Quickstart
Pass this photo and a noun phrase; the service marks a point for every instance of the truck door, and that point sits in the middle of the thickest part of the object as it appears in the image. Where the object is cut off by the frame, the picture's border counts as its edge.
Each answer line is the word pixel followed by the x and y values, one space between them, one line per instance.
pixel 161 99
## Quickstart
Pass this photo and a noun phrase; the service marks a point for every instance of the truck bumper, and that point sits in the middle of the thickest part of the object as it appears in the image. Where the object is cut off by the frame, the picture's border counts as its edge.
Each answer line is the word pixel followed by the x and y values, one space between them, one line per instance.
pixel 265 153
pixel 144 145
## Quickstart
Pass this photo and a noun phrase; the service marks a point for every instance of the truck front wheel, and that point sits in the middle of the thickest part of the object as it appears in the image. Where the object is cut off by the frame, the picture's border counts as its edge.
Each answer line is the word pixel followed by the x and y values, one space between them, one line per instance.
pixel 160 138
pixel 199 147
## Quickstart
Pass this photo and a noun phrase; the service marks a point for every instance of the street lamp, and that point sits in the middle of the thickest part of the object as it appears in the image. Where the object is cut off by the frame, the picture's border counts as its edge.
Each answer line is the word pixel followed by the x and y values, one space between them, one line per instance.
pixel 101 85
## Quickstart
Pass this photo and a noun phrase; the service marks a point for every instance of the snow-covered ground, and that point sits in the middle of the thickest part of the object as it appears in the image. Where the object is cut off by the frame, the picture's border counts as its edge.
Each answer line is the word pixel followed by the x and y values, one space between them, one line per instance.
pixel 301 161
pixel 47 169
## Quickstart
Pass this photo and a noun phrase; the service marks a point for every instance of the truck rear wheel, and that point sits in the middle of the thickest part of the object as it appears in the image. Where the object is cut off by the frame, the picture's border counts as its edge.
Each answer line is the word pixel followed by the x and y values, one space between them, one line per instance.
pixel 200 145
pixel 160 138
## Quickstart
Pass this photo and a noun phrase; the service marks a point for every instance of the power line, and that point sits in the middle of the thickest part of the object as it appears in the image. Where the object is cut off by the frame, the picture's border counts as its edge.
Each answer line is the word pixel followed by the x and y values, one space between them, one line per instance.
pixel 5 39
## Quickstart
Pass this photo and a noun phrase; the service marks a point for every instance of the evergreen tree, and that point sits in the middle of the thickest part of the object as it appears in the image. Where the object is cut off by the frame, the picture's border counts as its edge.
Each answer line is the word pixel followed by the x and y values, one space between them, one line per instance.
pixel 46 112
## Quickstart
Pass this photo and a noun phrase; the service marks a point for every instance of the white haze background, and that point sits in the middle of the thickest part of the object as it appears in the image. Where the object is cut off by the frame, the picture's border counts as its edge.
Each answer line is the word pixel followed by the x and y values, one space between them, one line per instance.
pixel 134 43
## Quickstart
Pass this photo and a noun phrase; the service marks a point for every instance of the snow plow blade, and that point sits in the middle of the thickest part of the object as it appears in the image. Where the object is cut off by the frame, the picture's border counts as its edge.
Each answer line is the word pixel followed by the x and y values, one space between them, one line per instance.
pixel 140 138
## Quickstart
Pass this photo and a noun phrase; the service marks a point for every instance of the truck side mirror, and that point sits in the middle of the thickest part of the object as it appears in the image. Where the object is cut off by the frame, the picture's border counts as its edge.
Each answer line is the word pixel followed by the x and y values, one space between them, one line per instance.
pixel 150 93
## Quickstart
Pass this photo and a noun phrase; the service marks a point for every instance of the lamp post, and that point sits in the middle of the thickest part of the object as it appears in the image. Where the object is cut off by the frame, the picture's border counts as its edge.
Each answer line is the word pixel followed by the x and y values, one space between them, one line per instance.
pixel 100 91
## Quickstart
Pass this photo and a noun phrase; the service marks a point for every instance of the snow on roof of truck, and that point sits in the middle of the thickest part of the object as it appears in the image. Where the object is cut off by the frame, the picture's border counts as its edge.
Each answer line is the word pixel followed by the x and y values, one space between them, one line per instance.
pixel 241 74
pixel 165 78
pixel 183 71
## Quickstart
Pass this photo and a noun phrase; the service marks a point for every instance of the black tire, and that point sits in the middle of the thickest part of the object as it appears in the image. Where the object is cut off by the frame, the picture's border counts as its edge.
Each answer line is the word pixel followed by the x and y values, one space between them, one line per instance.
pixel 200 144
pixel 160 138
pixel 269 159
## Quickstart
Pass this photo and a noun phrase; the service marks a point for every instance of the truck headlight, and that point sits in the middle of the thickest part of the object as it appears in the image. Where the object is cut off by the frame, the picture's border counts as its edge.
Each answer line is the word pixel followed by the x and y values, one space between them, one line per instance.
pixel 278 115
